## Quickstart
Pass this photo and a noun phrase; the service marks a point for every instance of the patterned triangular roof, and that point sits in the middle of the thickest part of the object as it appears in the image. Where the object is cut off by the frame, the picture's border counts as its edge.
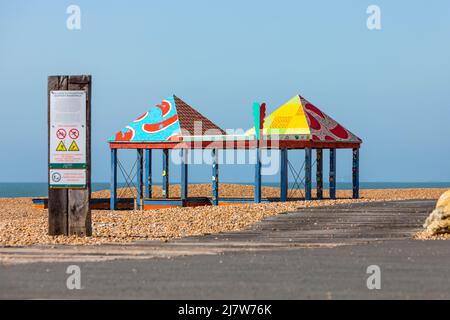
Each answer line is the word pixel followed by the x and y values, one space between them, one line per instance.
pixel 300 117
pixel 168 121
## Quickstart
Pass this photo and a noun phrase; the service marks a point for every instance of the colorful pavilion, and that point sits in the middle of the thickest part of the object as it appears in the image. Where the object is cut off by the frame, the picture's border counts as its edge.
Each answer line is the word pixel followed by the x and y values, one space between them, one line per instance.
pixel 174 124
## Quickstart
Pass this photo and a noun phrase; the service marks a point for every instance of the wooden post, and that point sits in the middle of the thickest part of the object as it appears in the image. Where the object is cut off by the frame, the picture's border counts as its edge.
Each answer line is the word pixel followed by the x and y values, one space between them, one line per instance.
pixel 283 174
pixel 69 208
pixel 319 173
pixel 79 200
pixel 308 173
pixel 139 179
pixel 113 195
pixel 257 194
pixel 57 198
pixel 148 173
pixel 332 173
pixel 215 177
pixel 184 176
pixel 355 173
pixel 165 174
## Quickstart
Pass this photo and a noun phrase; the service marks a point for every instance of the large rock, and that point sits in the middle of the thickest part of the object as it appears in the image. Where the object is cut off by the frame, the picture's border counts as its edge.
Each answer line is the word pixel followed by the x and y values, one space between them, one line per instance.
pixel 439 220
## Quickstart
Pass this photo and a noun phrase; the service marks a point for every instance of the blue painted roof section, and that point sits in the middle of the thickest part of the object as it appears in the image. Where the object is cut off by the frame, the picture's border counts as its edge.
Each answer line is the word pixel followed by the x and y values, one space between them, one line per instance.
pixel 161 123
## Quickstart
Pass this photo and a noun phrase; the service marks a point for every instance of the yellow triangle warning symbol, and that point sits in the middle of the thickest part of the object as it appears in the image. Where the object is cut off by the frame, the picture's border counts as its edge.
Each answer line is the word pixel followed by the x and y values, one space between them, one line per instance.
pixel 61 146
pixel 74 146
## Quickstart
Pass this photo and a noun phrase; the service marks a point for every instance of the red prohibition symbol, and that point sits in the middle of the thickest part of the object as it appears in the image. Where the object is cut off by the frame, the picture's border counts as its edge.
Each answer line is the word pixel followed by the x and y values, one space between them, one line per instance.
pixel 74 134
pixel 61 134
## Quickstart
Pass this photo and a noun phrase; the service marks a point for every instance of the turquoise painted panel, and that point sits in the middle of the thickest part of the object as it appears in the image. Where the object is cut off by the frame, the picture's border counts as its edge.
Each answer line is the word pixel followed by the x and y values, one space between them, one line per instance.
pixel 158 124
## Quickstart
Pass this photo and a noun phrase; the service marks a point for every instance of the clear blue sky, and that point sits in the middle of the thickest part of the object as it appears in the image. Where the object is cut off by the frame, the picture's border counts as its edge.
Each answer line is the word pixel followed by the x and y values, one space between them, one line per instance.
pixel 391 87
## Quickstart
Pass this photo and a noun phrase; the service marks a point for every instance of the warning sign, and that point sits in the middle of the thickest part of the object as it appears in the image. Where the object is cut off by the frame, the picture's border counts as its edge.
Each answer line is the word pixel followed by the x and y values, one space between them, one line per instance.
pixel 61 146
pixel 61 133
pixel 68 129
pixel 67 178
pixel 74 134
pixel 74 146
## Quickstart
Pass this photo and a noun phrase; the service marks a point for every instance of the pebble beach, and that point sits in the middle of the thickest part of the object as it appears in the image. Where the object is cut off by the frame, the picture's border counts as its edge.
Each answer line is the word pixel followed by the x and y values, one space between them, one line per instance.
pixel 22 225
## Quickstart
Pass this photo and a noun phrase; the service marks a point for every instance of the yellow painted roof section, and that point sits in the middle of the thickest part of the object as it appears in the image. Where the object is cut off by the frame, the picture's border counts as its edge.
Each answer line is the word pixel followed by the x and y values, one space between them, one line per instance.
pixel 287 119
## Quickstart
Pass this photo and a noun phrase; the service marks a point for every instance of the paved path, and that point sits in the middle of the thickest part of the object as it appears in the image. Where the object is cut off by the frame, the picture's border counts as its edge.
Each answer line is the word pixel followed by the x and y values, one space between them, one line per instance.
pixel 343 224
pixel 314 227
pixel 314 253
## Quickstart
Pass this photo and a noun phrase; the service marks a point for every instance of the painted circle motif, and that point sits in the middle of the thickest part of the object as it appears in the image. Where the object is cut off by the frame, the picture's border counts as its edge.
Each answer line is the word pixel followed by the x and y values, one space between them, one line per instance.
pixel 313 123
pixel 175 137
pixel 141 117
pixel 165 107
pixel 312 108
pixel 125 136
pixel 339 131
pixel 156 127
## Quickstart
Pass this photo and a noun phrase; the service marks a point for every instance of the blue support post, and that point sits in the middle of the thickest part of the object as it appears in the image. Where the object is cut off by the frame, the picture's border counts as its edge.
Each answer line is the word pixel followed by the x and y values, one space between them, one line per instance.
pixel 283 174
pixel 148 173
pixel 184 175
pixel 113 186
pixel 332 173
pixel 139 179
pixel 355 173
pixel 165 174
pixel 308 174
pixel 215 177
pixel 258 176
pixel 319 173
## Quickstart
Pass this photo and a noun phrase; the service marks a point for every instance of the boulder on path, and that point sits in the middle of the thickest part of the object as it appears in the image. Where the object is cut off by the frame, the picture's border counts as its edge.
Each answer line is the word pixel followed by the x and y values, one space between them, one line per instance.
pixel 438 221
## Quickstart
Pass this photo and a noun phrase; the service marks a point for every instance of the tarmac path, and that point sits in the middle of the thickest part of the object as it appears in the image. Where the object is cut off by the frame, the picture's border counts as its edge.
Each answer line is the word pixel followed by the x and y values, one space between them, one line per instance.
pixel 313 253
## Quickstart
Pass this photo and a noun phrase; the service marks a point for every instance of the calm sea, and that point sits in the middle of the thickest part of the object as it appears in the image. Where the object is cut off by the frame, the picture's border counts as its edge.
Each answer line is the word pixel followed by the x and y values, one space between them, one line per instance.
pixel 40 189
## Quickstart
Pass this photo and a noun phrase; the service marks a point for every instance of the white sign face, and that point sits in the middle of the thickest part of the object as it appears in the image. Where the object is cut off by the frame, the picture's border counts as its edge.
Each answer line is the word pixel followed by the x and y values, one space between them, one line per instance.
pixel 67 178
pixel 68 129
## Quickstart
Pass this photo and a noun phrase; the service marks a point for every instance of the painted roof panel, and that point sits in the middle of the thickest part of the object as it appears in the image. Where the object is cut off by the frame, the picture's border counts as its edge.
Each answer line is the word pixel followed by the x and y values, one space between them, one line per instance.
pixel 325 128
pixel 300 117
pixel 168 121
